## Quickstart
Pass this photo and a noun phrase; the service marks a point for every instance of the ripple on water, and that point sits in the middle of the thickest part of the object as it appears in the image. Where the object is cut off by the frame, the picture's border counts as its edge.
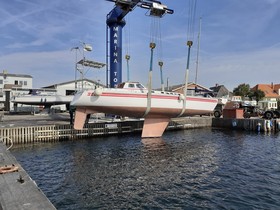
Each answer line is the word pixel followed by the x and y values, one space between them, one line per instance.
pixel 190 169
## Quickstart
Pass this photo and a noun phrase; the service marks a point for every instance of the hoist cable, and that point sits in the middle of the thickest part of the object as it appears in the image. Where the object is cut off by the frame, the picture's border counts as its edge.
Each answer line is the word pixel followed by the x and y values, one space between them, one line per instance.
pixel 127 42
pixel 191 20
pixel 190 36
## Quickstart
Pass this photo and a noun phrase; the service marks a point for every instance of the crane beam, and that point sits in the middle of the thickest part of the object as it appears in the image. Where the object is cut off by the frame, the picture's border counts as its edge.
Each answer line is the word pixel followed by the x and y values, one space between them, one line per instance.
pixel 116 22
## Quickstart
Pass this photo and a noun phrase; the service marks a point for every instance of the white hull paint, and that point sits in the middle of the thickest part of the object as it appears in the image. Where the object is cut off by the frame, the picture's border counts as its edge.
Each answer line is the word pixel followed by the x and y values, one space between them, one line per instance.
pixel 134 103
pixel 42 99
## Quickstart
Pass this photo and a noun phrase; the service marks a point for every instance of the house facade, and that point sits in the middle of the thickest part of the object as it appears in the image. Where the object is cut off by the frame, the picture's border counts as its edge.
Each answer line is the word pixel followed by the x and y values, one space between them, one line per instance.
pixel 272 95
pixel 192 89
pixel 11 82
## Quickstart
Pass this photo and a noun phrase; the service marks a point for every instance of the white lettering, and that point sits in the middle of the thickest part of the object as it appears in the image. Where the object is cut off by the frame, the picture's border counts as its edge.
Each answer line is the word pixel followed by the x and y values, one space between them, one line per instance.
pixel 115 61
pixel 115 80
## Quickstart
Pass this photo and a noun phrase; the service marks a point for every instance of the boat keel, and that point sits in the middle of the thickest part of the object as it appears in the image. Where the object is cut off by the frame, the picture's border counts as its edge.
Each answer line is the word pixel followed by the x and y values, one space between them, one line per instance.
pixel 80 118
pixel 154 127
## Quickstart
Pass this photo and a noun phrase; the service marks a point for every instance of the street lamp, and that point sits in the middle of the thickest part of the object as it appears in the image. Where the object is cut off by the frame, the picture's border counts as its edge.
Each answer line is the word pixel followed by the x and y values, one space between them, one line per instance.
pixel 76 65
pixel 86 48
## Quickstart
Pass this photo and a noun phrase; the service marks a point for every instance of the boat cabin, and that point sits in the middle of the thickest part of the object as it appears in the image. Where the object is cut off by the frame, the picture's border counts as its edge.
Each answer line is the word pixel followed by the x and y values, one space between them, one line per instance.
pixel 131 85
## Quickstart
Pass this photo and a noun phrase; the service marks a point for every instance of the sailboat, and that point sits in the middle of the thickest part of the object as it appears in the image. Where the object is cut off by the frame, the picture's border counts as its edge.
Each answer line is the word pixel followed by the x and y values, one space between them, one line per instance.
pixel 131 99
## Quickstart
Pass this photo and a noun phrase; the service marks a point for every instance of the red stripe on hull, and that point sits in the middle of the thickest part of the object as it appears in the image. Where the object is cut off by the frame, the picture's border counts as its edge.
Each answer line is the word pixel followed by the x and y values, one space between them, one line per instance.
pixel 138 112
pixel 175 97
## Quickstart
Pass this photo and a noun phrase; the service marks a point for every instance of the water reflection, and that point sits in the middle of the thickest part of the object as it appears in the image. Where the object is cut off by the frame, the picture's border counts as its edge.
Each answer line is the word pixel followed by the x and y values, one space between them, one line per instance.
pixel 153 143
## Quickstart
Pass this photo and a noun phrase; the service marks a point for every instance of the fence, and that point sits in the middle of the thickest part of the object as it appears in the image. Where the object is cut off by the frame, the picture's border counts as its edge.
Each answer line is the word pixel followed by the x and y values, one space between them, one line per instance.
pixel 50 133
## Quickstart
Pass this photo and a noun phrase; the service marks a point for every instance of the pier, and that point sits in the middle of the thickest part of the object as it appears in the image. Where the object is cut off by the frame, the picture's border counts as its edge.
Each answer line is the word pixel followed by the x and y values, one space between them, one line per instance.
pixel 17 189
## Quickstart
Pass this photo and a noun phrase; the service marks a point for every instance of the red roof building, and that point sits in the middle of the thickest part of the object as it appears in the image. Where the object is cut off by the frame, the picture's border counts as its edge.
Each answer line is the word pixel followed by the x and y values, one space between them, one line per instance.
pixel 271 91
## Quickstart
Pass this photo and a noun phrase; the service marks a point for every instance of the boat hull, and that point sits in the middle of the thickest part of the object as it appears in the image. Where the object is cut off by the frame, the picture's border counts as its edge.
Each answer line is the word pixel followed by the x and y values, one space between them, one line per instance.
pixel 156 109
pixel 135 104
pixel 42 100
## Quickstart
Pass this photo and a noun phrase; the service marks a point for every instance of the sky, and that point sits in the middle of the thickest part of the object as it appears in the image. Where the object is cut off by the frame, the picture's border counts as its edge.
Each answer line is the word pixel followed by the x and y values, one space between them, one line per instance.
pixel 239 41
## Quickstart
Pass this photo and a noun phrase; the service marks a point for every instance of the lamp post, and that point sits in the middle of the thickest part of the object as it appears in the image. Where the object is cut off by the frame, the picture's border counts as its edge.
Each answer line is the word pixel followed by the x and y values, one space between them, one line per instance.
pixel 86 48
pixel 76 65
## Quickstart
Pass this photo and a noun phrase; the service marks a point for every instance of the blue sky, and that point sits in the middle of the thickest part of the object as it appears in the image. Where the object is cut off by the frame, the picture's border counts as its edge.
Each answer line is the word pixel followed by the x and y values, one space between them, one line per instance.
pixel 240 41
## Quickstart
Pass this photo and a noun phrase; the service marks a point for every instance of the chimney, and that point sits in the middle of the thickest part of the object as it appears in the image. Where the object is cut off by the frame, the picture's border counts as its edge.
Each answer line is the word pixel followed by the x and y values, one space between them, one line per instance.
pixel 272 86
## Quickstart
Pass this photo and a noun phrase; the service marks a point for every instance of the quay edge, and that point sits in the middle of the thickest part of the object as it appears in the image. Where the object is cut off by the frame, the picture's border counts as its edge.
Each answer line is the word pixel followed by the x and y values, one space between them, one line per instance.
pixel 251 124
pixel 56 130
pixel 17 189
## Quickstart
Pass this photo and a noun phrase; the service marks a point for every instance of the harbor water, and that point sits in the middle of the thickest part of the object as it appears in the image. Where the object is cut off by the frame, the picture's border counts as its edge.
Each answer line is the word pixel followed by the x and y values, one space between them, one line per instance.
pixel 188 169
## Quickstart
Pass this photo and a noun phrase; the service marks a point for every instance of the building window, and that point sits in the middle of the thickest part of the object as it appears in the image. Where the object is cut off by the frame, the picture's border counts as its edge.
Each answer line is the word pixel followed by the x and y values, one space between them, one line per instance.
pixel 25 83
pixel 16 82
pixel 1 82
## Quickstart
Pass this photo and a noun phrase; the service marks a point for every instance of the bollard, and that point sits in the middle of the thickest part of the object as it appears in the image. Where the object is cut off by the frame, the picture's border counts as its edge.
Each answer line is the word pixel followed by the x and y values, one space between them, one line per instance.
pixel 259 127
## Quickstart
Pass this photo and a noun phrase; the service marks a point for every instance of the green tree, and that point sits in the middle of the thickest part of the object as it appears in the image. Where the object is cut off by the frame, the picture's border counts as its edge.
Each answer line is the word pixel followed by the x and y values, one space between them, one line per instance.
pixel 242 90
pixel 257 95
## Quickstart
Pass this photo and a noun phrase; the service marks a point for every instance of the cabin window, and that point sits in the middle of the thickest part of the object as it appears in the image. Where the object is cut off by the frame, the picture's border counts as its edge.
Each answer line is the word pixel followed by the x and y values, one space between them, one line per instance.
pixel 131 85
pixel 139 86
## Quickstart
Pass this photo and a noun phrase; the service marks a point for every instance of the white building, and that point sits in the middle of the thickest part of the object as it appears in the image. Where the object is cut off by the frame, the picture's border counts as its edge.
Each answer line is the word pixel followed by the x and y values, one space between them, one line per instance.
pixel 11 82
pixel 47 96
pixel 12 85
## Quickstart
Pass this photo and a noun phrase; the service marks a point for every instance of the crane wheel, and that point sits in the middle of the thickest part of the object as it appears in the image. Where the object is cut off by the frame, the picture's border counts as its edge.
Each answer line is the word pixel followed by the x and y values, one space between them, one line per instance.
pixel 268 115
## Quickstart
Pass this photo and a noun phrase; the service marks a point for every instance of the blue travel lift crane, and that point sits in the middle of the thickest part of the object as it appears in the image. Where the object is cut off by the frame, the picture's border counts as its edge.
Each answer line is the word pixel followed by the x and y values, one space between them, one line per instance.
pixel 115 23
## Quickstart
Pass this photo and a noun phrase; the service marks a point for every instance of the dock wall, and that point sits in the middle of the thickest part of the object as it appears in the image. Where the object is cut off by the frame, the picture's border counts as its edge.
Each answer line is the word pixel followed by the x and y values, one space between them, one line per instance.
pixel 257 124
pixel 51 133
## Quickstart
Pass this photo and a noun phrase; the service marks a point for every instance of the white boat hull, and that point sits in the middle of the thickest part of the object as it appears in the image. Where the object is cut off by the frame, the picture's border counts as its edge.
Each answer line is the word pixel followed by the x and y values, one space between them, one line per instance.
pixel 134 103
pixel 44 100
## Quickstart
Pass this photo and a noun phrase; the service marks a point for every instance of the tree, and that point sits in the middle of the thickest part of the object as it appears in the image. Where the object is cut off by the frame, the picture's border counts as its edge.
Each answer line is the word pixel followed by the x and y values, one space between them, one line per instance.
pixel 257 95
pixel 242 90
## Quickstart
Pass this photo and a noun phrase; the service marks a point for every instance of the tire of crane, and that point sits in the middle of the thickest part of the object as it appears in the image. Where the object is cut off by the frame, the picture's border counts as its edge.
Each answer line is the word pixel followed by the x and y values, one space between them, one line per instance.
pixel 268 115
pixel 217 114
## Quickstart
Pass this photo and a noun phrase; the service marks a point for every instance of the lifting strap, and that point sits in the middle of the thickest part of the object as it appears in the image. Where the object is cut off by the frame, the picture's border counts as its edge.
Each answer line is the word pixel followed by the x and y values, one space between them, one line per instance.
pixel 149 96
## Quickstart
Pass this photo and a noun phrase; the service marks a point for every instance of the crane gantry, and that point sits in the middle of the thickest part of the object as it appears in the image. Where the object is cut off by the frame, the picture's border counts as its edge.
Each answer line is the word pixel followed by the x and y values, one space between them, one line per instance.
pixel 115 23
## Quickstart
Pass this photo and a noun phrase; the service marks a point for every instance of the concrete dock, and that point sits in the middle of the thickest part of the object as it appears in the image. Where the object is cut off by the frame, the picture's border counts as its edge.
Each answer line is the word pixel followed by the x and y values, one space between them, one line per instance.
pixel 22 129
pixel 17 190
